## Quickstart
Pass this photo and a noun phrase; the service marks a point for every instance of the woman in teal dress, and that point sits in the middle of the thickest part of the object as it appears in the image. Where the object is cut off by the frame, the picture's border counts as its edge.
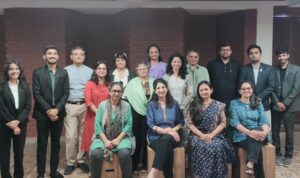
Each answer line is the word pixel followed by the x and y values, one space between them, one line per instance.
pixel 250 127
pixel 113 129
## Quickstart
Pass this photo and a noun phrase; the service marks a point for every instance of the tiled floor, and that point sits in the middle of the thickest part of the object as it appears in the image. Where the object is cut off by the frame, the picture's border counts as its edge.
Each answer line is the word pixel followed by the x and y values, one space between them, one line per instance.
pixel 30 162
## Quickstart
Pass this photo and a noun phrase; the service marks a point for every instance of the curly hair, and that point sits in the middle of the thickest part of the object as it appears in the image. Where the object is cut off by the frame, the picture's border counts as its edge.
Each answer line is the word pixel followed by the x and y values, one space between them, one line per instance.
pixel 182 70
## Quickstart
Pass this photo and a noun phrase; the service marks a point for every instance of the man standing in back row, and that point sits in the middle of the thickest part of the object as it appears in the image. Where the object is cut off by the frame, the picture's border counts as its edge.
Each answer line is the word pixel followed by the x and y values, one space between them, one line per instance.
pixel 79 74
pixel 196 72
pixel 261 75
pixel 286 101
pixel 224 74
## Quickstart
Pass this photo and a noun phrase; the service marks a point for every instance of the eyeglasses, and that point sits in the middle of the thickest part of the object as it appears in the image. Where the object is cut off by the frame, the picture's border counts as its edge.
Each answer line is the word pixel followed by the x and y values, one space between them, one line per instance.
pixel 243 89
pixel 116 91
pixel 141 69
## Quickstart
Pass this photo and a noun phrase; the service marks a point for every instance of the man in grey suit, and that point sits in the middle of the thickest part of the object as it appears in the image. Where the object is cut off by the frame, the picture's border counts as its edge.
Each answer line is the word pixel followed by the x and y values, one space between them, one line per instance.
pixel 285 102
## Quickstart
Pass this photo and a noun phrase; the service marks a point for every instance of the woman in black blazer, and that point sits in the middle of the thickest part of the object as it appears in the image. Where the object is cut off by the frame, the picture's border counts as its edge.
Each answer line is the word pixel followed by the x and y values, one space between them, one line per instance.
pixel 15 102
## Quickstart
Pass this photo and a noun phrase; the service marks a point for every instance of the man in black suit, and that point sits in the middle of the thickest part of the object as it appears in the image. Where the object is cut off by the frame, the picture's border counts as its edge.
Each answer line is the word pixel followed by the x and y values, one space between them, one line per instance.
pixel 261 75
pixel 50 85
pixel 286 101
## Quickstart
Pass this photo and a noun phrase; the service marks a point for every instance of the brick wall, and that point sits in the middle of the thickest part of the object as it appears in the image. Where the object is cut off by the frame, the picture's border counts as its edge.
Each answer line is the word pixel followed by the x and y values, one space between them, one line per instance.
pixel 102 39
pixel 232 31
pixel 249 31
pixel 154 26
pixel 201 36
pixel 75 31
pixel 27 31
pixel 2 48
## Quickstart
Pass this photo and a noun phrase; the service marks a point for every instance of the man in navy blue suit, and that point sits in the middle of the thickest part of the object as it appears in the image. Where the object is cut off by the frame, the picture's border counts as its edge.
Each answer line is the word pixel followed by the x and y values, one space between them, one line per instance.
pixel 260 74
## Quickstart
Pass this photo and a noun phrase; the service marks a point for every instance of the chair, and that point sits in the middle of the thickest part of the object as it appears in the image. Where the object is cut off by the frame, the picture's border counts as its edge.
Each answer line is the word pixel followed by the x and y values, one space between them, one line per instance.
pixel 179 162
pixel 268 152
pixel 111 169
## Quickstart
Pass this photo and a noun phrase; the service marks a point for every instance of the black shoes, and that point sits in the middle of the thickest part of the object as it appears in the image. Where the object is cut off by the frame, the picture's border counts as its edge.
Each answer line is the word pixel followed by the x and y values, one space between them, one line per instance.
pixel 69 170
pixel 84 167
pixel 56 175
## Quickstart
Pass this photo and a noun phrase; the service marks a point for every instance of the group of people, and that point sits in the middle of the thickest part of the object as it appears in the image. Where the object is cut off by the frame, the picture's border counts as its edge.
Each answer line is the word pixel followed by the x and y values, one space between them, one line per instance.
pixel 162 105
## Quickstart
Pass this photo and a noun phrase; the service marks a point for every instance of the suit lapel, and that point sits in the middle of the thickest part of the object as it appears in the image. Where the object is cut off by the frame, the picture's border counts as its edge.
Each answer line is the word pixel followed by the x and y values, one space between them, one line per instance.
pixel 10 95
pixel 261 71
pixel 21 96
pixel 47 76
pixel 288 69
pixel 277 72
pixel 251 73
pixel 56 77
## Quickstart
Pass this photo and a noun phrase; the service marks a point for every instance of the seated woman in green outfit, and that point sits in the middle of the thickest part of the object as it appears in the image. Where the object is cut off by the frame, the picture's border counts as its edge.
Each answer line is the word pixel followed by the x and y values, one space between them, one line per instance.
pixel 113 128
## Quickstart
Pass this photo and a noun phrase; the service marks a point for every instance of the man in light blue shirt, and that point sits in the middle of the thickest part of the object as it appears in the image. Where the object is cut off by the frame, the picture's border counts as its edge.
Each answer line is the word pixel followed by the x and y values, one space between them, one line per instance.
pixel 79 74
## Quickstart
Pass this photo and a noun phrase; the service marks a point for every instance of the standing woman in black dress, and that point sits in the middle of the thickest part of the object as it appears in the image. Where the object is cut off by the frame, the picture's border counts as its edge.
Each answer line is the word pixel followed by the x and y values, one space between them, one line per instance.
pixel 15 105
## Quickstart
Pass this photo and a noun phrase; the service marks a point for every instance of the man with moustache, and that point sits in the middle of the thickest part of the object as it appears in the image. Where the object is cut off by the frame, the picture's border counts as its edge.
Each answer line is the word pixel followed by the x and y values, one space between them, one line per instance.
pixel 79 74
pixel 285 102
pixel 224 75
pixel 50 85
pixel 261 75
pixel 196 72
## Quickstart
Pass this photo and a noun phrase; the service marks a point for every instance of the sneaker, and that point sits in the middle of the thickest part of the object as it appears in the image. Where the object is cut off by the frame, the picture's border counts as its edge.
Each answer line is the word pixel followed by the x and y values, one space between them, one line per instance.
pixel 84 167
pixel 287 161
pixel 69 170
pixel 56 175
pixel 278 160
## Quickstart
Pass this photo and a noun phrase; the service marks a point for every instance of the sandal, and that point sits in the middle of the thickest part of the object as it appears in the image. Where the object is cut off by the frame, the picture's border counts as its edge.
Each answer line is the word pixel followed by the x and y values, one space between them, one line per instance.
pixel 136 172
pixel 143 171
pixel 249 171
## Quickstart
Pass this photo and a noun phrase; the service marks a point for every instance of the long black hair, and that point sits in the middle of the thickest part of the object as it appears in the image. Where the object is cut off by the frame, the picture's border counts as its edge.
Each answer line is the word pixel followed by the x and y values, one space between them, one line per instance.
pixel 254 101
pixel 21 78
pixel 182 70
pixel 196 105
pixel 94 77
pixel 169 98
pixel 158 49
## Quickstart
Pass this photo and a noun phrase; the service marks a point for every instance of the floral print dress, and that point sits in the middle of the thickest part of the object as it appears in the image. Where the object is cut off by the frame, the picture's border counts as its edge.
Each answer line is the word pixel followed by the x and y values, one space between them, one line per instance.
pixel 209 159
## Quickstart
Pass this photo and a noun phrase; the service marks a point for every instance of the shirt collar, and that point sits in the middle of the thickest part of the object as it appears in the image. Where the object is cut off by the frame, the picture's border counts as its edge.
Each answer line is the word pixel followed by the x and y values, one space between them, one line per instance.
pixel 190 67
pixel 116 72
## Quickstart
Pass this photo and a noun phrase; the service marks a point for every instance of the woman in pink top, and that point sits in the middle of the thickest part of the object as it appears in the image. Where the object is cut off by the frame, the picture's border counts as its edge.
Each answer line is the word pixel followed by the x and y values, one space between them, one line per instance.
pixel 96 91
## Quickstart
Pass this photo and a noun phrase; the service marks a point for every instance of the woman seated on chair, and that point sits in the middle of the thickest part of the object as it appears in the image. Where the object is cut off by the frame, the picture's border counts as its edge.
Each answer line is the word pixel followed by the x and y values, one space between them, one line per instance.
pixel 164 119
pixel 207 143
pixel 250 127
pixel 113 129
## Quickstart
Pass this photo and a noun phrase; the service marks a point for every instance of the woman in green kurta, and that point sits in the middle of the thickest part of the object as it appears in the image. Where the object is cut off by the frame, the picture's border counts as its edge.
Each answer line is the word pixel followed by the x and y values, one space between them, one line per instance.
pixel 113 130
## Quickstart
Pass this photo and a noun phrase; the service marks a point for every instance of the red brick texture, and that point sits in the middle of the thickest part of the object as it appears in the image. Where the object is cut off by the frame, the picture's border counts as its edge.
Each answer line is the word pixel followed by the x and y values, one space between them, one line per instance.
pixel 25 31
pixel 2 48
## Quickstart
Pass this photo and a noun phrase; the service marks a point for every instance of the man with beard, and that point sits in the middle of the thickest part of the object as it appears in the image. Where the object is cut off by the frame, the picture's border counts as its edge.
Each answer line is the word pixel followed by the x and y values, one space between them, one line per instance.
pixel 286 101
pixel 196 72
pixel 261 75
pixel 224 74
pixel 50 85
